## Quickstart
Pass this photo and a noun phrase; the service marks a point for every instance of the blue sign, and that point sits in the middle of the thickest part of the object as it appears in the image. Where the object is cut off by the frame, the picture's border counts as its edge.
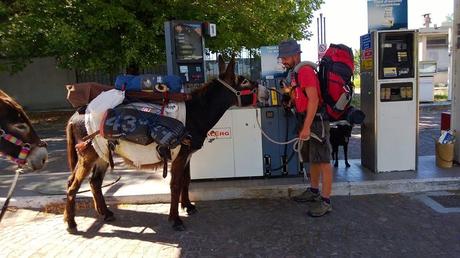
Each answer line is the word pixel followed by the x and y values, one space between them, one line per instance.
pixel 365 41
pixel 386 14
pixel 271 65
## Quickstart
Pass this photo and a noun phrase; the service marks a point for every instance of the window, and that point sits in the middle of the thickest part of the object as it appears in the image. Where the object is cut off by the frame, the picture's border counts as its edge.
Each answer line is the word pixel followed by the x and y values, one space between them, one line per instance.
pixel 437 42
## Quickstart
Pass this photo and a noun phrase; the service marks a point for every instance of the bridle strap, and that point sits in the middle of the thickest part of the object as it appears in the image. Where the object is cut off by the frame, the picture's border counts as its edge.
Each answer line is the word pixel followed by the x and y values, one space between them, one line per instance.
pixel 21 159
pixel 237 93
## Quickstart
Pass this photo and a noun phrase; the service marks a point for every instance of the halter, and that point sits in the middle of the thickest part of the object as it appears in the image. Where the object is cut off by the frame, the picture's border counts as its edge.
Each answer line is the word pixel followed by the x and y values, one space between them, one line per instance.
pixel 21 159
pixel 240 93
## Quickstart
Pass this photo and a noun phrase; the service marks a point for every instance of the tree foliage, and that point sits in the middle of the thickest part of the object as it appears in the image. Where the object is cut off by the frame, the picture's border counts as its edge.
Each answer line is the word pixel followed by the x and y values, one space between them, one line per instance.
pixel 104 35
pixel 357 62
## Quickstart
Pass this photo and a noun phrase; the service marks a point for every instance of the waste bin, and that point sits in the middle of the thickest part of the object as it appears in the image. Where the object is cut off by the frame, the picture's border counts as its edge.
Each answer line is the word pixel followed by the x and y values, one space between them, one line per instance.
pixel 444 155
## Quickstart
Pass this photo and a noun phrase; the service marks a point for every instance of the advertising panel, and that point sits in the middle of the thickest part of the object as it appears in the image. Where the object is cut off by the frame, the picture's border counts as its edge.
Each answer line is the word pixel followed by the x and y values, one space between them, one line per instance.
pixel 386 14
pixel 270 64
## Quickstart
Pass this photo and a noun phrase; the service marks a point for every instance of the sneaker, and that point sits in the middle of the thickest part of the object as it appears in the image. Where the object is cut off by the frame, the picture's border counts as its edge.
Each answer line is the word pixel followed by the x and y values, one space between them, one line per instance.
pixel 320 209
pixel 307 196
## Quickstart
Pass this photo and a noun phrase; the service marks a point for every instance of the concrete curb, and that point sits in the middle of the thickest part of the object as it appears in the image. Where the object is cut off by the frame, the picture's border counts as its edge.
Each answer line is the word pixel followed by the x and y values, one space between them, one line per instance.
pixel 260 192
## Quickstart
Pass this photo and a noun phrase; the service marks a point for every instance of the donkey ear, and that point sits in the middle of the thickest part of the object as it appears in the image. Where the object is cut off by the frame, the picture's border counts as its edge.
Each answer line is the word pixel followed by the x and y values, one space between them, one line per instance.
pixel 231 66
pixel 230 72
pixel 221 63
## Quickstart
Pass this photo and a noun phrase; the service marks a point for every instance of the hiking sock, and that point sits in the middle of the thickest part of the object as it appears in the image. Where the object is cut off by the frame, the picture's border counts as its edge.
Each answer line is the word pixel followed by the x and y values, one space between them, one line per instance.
pixel 314 190
pixel 326 200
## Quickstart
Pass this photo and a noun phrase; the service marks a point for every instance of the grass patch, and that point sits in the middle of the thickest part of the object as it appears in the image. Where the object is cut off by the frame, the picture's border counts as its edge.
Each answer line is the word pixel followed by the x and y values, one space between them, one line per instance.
pixel 440 97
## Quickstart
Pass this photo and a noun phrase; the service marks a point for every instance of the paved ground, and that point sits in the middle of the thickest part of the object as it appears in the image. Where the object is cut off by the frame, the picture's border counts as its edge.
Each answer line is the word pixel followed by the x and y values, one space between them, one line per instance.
pixel 359 226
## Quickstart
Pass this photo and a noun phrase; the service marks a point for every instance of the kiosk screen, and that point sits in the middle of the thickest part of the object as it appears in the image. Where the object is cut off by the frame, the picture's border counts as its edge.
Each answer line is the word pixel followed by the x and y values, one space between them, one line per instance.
pixel 396 55
pixel 188 41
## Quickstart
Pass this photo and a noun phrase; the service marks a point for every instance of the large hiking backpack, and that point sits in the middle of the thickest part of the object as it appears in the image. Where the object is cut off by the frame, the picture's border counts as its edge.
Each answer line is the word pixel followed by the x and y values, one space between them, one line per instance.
pixel 335 71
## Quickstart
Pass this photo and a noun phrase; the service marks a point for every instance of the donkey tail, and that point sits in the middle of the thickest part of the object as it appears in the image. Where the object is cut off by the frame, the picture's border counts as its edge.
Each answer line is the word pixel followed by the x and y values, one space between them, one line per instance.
pixel 72 157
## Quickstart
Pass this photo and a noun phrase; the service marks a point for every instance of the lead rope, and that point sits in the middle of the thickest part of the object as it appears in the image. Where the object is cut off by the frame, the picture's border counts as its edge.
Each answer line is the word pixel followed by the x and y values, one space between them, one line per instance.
pixel 312 135
pixel 297 147
pixel 10 193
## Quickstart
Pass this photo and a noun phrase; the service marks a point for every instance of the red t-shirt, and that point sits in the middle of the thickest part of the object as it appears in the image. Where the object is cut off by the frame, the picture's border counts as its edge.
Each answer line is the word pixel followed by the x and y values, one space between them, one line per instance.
pixel 307 78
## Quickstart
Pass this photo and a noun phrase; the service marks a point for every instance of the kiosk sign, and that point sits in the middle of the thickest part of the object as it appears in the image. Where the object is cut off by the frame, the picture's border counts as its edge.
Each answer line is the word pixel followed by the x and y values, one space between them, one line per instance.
pixel 271 66
pixel 367 55
pixel 386 14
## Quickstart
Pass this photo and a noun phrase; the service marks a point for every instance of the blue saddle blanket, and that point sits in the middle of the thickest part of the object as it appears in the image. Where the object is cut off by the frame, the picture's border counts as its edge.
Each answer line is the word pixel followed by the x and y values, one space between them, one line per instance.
pixel 147 82
pixel 137 126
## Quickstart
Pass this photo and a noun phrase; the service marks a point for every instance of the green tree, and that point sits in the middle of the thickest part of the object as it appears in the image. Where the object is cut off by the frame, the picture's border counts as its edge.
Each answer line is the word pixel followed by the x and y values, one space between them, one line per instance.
pixel 357 62
pixel 106 35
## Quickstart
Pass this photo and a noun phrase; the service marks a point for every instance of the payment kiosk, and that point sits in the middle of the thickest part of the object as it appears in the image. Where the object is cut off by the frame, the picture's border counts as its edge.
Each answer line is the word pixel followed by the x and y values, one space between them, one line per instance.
pixel 184 50
pixel 389 97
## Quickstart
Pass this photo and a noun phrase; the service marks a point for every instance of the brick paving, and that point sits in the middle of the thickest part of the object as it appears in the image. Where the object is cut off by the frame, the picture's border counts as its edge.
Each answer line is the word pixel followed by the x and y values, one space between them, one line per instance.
pixel 359 226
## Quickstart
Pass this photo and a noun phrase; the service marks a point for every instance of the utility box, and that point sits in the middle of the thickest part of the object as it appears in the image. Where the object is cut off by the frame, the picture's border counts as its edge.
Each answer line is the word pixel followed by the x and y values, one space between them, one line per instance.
pixel 233 147
pixel 389 97
pixel 426 71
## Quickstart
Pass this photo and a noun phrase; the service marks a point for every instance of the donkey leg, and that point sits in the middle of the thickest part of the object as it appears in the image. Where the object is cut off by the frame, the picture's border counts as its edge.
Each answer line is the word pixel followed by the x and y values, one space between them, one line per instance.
pixel 96 183
pixel 84 166
pixel 185 200
pixel 177 174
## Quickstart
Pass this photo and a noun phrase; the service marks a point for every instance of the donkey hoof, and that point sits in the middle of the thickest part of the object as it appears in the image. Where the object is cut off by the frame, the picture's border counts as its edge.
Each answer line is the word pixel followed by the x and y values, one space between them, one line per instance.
pixel 109 218
pixel 178 226
pixel 347 165
pixel 191 209
pixel 336 164
pixel 72 230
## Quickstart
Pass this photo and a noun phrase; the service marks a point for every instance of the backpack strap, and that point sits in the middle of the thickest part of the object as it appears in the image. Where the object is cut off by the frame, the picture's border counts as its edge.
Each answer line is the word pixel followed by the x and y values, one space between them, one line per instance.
pixel 322 108
pixel 300 65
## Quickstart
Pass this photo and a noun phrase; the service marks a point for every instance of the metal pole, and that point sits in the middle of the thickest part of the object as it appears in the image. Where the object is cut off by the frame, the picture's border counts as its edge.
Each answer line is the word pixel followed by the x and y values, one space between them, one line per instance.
pixel 321 26
pixel 324 30
pixel 317 30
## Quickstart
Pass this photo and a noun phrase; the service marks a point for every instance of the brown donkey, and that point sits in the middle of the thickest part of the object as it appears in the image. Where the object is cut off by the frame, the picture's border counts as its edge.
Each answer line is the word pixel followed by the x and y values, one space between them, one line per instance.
pixel 203 111
pixel 18 140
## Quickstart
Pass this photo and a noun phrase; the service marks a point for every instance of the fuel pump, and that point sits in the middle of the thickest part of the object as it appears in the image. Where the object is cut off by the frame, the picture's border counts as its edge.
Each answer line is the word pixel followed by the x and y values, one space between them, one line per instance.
pixel 276 121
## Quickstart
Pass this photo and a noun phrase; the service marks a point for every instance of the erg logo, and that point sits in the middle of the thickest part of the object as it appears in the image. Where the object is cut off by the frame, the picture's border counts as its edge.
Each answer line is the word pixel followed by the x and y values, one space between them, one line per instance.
pixel 220 133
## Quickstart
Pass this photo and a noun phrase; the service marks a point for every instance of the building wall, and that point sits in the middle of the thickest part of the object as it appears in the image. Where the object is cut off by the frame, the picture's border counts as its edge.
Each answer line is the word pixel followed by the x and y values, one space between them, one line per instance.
pixel 438 53
pixel 40 86
pixel 441 79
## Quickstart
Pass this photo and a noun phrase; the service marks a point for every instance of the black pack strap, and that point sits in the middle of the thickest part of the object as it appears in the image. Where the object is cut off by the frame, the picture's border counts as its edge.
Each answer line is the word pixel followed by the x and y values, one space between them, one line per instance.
pixel 111 148
pixel 165 155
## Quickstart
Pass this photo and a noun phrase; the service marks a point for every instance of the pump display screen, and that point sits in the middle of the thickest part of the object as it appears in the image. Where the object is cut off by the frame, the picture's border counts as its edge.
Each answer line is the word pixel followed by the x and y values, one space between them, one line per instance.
pixel 396 55
pixel 188 43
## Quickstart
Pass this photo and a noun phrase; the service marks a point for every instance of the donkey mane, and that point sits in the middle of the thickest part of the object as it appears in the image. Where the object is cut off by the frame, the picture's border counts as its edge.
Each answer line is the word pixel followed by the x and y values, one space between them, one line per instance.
pixel 7 100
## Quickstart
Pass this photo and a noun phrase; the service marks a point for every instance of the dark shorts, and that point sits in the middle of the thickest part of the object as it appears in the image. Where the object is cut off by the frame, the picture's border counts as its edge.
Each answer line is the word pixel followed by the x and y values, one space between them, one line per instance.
pixel 313 150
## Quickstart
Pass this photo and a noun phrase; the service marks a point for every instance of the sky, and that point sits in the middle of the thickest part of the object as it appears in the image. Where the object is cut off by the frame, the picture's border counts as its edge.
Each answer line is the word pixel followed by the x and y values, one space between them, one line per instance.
pixel 347 26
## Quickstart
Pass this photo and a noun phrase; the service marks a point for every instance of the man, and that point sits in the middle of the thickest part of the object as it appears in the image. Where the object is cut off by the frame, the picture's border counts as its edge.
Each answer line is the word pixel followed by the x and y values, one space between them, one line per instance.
pixel 314 132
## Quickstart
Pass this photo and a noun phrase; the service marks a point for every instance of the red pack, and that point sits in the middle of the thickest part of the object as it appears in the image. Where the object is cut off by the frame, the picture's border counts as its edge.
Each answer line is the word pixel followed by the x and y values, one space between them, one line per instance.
pixel 335 72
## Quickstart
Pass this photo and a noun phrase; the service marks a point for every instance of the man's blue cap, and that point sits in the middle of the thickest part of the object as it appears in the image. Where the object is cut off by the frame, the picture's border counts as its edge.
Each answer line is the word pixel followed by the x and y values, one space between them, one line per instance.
pixel 288 48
